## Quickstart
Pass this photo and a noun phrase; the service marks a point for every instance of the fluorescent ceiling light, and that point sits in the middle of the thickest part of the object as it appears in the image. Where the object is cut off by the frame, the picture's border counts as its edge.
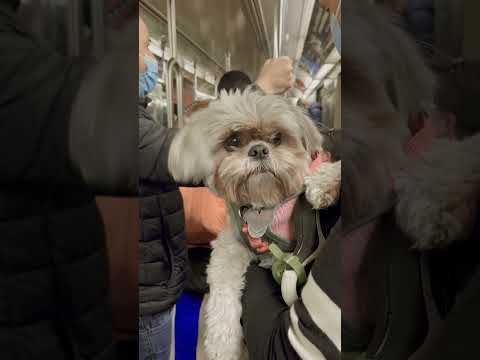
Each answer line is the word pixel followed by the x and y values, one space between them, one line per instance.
pixel 188 66
pixel 333 57
pixel 210 78
pixel 311 88
pixel 313 85
pixel 334 73
pixel 203 96
pixel 323 71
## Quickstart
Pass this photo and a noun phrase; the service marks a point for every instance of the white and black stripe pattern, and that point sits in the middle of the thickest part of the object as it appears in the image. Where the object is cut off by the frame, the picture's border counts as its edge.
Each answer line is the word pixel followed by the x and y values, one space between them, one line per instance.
pixel 315 330
pixel 315 320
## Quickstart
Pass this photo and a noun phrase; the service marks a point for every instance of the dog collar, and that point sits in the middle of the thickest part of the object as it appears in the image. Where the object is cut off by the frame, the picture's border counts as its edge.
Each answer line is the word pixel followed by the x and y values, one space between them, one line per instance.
pixel 258 224
pixel 260 220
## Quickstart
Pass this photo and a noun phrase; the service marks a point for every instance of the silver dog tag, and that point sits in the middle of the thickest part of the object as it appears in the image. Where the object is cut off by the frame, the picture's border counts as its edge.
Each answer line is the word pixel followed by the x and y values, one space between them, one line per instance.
pixel 258 221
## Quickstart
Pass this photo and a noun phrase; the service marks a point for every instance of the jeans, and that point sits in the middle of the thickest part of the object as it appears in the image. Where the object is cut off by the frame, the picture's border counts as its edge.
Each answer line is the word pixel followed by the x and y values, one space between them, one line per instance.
pixel 155 336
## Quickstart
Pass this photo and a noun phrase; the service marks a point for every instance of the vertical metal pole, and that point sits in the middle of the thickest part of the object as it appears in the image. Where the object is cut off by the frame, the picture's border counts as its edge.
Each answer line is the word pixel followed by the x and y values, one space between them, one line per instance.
pixel 228 61
pixel 173 67
pixel 179 80
pixel 172 28
pixel 281 12
pixel 170 65
pixel 275 33
pixel 278 28
pixel 195 80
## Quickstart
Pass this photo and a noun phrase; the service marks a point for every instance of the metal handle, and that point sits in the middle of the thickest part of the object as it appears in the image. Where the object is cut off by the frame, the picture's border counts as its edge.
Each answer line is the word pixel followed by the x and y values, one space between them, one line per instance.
pixel 179 80
pixel 174 67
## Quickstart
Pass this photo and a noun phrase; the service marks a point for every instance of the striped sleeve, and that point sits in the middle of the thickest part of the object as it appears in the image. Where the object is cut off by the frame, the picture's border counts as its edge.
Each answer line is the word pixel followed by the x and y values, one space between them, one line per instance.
pixel 315 320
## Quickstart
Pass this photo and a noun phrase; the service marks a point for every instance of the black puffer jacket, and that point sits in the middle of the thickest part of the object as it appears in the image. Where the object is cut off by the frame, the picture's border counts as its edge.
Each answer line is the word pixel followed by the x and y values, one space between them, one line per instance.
pixel 163 252
pixel 54 284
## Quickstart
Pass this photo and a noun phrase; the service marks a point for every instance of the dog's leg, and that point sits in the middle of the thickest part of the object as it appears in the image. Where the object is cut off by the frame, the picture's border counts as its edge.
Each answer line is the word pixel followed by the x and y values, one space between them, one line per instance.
pixel 323 185
pixel 225 275
pixel 438 194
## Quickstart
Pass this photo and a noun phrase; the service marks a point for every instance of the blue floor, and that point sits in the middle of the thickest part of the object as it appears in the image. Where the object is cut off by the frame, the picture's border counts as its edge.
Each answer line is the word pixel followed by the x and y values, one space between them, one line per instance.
pixel 186 326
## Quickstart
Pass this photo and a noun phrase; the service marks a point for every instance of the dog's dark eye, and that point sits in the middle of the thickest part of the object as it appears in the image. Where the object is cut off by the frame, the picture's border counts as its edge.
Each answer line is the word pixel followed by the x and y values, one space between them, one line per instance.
pixel 233 141
pixel 277 139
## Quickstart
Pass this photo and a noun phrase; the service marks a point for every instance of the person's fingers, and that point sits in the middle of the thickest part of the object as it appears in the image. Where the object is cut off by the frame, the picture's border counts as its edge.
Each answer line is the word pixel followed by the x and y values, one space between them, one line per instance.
pixel 291 82
pixel 285 59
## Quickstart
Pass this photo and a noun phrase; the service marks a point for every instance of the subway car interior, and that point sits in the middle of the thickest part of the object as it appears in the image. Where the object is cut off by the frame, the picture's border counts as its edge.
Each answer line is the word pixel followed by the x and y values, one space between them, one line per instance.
pixel 211 37
pixel 195 43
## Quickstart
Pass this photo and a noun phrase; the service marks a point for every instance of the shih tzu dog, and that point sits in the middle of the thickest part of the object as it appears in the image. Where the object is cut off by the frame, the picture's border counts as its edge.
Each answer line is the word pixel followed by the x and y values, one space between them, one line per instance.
pixel 254 151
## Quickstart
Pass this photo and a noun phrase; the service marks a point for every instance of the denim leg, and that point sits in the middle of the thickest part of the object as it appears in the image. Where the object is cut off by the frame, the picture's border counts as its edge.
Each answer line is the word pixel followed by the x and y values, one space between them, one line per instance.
pixel 155 334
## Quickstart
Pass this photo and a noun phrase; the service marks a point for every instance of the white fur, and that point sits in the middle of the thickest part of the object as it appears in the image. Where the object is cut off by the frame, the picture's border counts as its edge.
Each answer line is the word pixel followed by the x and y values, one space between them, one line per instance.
pixel 193 157
pixel 323 185
pixel 226 270
pixel 225 274
pixel 438 194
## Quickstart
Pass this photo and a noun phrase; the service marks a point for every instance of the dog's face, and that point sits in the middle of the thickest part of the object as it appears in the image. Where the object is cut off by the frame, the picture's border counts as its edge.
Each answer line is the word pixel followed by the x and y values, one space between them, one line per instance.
pixel 260 161
pixel 257 148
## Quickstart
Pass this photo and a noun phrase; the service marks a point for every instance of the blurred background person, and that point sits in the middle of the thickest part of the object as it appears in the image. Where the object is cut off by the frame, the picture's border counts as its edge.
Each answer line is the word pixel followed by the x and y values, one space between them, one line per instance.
pixel 233 80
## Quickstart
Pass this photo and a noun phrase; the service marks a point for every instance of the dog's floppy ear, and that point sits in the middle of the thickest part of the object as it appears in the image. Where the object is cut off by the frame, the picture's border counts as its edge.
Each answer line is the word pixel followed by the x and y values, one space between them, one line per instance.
pixel 189 159
pixel 311 137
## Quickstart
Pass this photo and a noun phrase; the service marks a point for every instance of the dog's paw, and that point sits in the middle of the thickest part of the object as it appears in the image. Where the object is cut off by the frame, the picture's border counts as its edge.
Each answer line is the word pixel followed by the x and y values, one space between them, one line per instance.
pixel 429 223
pixel 322 186
pixel 223 332
pixel 432 209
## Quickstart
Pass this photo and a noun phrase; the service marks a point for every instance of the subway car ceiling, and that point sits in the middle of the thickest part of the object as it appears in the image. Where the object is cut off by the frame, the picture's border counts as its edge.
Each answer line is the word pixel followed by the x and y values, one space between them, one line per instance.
pixel 216 36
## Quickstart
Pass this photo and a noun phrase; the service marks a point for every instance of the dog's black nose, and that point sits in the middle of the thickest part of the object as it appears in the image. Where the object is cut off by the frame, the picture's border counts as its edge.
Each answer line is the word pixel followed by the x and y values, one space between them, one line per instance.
pixel 258 152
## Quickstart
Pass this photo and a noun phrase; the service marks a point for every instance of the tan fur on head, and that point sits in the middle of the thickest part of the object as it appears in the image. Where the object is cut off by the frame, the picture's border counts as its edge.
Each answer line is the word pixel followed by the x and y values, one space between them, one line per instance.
pixel 203 150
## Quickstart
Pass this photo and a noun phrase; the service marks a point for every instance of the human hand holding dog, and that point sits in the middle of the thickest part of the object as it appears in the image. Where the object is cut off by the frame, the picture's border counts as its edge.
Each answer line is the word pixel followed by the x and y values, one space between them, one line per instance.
pixel 276 76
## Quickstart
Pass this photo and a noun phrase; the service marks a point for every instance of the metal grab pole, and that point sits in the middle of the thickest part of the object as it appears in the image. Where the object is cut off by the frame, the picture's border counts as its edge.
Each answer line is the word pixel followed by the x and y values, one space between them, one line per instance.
pixel 179 80
pixel 195 80
pixel 278 29
pixel 173 66
pixel 172 27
